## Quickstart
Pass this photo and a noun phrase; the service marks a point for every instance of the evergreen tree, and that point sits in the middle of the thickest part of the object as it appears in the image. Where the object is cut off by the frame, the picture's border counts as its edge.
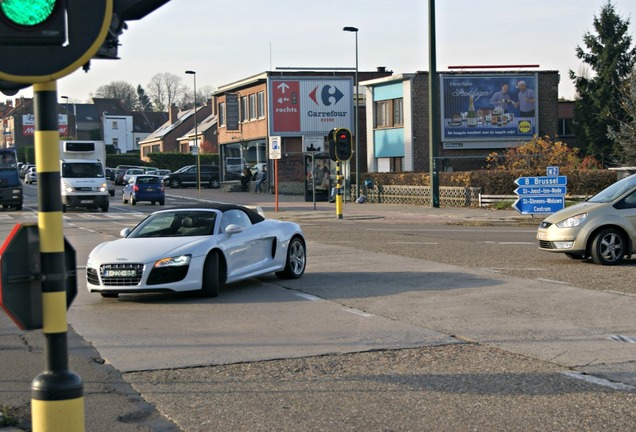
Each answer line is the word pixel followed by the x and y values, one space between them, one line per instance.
pixel 144 101
pixel 598 110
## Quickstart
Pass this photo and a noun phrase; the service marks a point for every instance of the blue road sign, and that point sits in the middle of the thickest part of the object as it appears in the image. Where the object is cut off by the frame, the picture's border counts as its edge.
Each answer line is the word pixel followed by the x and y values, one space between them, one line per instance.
pixel 541 190
pixel 542 181
pixel 539 204
pixel 552 171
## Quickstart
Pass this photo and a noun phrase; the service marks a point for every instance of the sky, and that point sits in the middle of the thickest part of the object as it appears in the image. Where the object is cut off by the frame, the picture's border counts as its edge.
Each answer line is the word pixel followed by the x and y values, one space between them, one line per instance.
pixel 227 40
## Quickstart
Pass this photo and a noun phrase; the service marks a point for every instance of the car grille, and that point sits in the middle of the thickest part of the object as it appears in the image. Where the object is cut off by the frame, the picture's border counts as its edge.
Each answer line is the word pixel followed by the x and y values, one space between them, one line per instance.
pixel 167 275
pixel 545 244
pixel 121 280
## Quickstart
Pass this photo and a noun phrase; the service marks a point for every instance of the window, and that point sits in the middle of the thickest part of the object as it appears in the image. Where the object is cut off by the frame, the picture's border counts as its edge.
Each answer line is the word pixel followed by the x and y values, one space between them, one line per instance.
pixel 244 113
pixel 222 114
pixel 389 113
pixel 115 125
pixel 565 127
pixel 252 106
pixel 260 105
pixel 116 142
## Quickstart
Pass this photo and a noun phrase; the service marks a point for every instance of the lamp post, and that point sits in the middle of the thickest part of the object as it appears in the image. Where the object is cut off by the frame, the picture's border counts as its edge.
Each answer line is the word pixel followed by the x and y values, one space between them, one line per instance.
pixel 355 30
pixel 68 118
pixel 196 134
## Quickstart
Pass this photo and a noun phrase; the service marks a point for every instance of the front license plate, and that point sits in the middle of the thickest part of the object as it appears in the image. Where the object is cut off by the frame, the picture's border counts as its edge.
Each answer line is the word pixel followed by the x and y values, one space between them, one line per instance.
pixel 120 273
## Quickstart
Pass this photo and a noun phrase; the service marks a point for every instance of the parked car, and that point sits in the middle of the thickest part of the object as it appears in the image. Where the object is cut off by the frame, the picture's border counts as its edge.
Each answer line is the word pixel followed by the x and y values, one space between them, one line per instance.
pixel 24 168
pixel 144 188
pixel 131 172
pixel 159 172
pixel 148 169
pixel 197 248
pixel 31 176
pixel 120 171
pixel 601 228
pixel 187 176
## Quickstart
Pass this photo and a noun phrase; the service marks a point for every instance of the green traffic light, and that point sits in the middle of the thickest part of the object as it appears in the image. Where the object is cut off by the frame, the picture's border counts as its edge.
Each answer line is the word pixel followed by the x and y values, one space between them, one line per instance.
pixel 27 12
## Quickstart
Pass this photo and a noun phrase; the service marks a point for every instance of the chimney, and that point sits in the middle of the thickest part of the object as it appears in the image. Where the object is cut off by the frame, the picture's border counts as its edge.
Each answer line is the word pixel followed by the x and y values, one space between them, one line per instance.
pixel 381 68
pixel 173 114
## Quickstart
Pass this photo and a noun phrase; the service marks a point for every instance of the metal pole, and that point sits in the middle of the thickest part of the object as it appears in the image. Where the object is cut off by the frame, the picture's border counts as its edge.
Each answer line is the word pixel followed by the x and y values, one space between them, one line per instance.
pixel 57 394
pixel 433 123
pixel 196 134
pixel 357 130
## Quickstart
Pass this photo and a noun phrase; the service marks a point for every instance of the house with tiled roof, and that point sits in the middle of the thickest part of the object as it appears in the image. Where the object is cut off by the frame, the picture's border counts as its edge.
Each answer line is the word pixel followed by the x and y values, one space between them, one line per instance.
pixel 206 133
pixel 166 138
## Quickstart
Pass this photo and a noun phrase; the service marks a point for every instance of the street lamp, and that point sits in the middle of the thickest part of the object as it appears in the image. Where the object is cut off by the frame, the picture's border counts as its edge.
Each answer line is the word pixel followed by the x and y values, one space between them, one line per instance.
pixel 196 134
pixel 355 30
pixel 68 118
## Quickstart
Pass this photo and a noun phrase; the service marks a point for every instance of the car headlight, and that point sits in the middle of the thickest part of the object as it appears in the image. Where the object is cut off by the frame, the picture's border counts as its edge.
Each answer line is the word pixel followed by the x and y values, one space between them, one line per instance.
pixel 181 260
pixel 90 263
pixel 573 221
pixel 103 187
pixel 67 187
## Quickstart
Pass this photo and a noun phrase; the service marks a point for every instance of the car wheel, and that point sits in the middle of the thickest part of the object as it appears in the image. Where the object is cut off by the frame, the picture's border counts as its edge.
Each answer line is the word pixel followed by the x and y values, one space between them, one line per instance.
pixel 133 201
pixel 175 183
pixel 215 183
pixel 162 202
pixel 63 208
pixel 112 193
pixel 109 295
pixel 18 207
pixel 210 279
pixel 608 247
pixel 296 260
pixel 123 198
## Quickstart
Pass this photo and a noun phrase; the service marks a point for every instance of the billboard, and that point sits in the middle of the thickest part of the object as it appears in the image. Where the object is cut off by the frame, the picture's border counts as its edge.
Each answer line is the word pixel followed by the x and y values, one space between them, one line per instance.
pixel 479 109
pixel 309 106
pixel 28 124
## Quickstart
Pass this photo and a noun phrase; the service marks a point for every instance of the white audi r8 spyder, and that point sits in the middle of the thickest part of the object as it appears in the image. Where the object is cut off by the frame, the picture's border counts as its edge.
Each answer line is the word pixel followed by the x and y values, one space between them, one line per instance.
pixel 196 248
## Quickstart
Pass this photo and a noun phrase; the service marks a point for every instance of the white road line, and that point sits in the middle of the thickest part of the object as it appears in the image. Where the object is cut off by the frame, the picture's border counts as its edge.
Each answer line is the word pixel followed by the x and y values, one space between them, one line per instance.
pixel 414 242
pixel 598 381
pixel 308 297
pixel 357 312
pixel 551 281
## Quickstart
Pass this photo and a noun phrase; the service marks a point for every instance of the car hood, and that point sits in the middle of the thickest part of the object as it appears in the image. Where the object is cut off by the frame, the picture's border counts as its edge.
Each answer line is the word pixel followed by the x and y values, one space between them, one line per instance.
pixel 142 250
pixel 584 207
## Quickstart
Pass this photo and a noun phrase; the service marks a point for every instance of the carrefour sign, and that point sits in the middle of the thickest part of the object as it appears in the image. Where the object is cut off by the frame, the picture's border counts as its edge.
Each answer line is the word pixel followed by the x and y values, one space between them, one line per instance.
pixel 309 106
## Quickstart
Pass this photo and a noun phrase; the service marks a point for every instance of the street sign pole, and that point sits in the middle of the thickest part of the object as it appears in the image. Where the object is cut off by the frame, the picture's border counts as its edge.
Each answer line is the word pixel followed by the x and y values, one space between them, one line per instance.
pixel 57 394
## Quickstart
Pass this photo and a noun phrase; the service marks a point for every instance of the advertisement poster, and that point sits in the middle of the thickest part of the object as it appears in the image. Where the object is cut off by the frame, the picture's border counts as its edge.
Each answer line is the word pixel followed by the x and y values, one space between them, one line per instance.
pixel 309 106
pixel 489 108
pixel 28 124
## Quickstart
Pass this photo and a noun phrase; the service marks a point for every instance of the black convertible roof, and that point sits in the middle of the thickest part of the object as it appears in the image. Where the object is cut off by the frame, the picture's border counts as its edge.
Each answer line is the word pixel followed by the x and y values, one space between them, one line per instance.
pixel 254 216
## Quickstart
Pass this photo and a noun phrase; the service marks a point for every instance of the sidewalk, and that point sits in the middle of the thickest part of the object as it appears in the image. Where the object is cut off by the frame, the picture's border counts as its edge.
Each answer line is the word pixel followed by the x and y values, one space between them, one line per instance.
pixel 294 207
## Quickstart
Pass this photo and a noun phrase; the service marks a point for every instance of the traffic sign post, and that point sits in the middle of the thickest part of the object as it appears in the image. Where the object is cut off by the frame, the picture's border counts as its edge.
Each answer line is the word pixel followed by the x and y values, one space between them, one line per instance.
pixel 542 194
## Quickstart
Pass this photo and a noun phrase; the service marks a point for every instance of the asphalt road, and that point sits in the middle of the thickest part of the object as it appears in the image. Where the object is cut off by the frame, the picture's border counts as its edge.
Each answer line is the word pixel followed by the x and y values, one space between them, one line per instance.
pixel 442 327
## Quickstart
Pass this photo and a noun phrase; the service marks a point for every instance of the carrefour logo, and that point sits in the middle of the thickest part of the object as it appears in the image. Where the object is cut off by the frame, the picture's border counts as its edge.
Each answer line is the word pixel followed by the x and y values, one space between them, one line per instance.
pixel 327 95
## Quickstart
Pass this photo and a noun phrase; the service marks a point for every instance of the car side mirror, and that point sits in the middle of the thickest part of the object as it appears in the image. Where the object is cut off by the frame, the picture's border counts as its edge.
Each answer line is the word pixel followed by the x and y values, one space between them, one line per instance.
pixel 233 229
pixel 125 232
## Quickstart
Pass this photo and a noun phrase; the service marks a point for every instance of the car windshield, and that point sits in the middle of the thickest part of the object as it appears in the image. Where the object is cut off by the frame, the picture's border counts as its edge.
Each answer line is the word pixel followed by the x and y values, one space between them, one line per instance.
pixel 82 170
pixel 177 223
pixel 614 191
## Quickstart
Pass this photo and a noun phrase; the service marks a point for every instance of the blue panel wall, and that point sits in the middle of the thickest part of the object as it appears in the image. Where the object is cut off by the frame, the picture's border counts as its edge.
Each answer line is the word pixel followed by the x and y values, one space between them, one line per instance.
pixel 388 143
pixel 389 91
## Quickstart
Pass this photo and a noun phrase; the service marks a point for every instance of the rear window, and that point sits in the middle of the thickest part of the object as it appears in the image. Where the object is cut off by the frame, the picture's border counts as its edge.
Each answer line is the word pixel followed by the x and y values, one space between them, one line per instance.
pixel 148 180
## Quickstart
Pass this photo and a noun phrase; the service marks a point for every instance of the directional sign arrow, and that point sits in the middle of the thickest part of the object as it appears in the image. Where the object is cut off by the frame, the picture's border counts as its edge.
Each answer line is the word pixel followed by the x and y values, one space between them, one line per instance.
pixel 539 204
pixel 542 181
pixel 541 190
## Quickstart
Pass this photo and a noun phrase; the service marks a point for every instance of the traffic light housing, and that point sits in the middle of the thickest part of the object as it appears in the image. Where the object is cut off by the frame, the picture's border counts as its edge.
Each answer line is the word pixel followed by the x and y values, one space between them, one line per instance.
pixel 343 144
pixel 44 40
pixel 32 22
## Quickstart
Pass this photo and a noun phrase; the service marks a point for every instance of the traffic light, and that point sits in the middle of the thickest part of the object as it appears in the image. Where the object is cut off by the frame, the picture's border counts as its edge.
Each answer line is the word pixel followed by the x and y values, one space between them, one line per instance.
pixel 32 22
pixel 343 144
pixel 331 137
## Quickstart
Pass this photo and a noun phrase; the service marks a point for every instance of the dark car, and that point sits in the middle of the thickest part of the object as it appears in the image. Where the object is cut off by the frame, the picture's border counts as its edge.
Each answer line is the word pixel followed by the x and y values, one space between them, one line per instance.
pixel 144 188
pixel 120 171
pixel 187 176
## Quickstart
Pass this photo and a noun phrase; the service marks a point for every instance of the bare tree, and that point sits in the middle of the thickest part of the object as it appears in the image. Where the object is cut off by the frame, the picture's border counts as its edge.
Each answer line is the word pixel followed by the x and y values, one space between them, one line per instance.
pixel 120 90
pixel 203 94
pixel 165 89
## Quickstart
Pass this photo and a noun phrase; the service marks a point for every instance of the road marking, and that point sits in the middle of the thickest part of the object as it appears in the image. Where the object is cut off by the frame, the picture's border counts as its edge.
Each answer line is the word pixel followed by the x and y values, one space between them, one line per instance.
pixel 551 281
pixel 599 381
pixel 308 297
pixel 510 243
pixel 414 243
pixel 358 312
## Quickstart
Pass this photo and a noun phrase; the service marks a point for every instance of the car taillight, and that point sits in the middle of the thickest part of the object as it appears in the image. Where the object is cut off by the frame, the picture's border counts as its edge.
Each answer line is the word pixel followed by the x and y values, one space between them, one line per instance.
pixel 136 188
pixel 162 189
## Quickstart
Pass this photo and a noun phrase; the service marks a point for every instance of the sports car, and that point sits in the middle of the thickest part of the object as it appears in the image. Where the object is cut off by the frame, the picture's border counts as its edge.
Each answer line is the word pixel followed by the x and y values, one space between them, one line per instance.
pixel 198 248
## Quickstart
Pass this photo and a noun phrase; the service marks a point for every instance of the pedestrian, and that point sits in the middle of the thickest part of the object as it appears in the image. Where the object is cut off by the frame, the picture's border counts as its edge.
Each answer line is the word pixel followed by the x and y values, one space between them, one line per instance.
pixel 246 177
pixel 261 180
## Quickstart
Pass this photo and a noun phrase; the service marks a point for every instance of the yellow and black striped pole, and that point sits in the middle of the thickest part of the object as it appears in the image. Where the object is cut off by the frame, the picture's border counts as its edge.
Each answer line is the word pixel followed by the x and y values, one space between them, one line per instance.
pixel 338 191
pixel 57 394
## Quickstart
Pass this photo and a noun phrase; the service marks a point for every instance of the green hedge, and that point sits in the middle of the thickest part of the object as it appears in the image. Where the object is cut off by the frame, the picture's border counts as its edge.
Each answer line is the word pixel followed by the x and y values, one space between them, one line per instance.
pixel 493 182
